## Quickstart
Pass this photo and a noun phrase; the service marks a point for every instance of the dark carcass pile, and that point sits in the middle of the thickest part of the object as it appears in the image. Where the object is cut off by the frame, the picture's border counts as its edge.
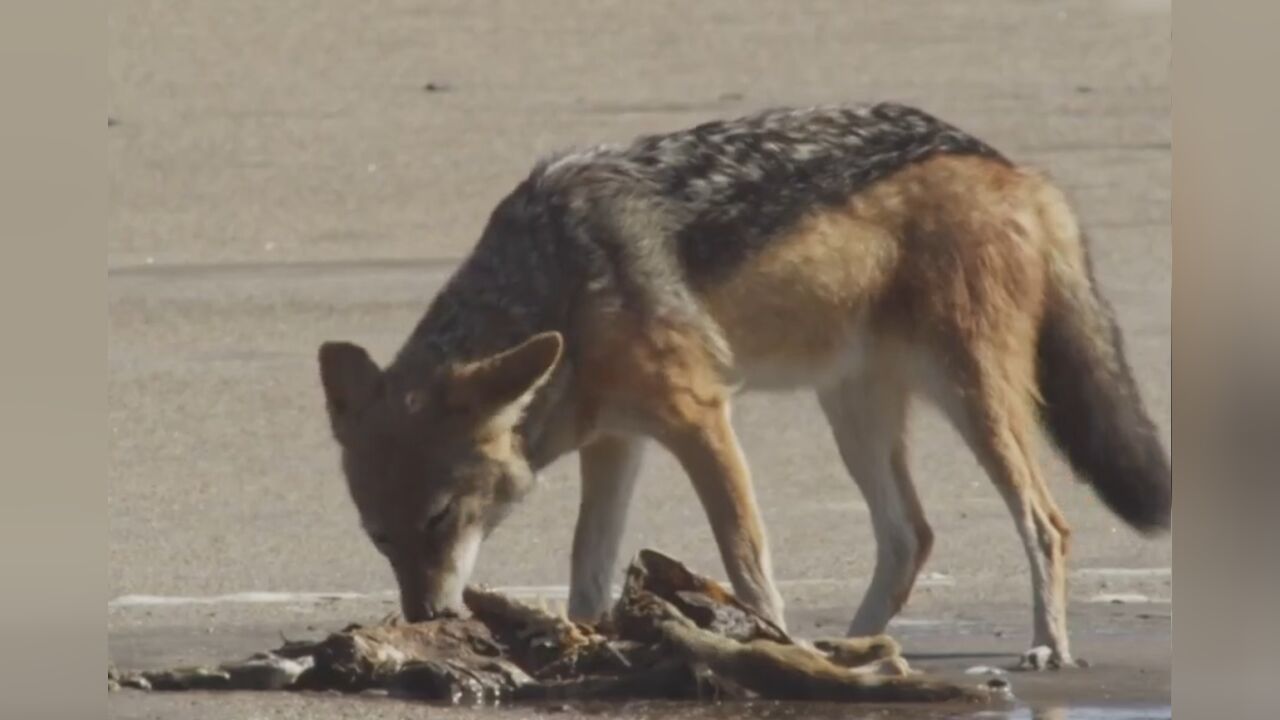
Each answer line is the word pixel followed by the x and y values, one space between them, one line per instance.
pixel 672 635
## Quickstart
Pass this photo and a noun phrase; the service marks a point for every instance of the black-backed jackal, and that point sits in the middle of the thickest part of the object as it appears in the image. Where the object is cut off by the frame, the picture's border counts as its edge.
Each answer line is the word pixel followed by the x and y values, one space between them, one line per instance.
pixel 623 293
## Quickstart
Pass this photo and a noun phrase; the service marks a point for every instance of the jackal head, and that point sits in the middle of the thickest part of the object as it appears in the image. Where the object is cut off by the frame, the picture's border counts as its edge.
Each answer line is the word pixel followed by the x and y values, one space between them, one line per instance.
pixel 433 463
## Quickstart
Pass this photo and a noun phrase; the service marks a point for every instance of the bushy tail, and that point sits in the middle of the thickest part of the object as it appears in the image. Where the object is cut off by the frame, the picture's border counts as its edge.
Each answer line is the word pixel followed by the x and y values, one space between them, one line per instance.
pixel 1092 407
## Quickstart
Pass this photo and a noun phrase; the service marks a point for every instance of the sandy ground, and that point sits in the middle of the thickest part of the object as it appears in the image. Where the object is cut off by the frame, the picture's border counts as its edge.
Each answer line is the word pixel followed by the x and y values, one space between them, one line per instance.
pixel 281 175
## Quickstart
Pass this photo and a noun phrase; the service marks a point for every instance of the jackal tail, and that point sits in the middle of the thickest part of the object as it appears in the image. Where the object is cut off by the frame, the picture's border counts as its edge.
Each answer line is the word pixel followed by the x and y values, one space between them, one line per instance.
pixel 1092 406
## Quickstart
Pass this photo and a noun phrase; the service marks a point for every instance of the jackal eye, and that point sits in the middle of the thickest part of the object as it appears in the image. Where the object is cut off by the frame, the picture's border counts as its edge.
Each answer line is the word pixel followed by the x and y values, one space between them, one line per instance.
pixel 436 518
pixel 379 539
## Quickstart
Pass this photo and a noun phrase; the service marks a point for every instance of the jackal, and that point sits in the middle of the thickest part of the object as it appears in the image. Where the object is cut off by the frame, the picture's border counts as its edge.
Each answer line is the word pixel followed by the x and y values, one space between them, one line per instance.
pixel 625 293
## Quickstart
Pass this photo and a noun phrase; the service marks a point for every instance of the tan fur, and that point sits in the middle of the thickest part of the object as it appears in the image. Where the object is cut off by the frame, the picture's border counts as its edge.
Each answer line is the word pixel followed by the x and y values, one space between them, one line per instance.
pixel 792 308
pixel 657 374
pixel 925 253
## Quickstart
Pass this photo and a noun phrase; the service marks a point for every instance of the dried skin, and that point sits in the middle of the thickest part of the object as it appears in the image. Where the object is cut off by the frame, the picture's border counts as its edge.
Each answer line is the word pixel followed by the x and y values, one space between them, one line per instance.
pixel 857 651
pixel 673 635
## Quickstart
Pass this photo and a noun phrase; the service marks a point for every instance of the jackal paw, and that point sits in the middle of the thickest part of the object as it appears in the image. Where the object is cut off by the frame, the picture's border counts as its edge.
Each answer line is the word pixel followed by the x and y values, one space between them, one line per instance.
pixel 1043 657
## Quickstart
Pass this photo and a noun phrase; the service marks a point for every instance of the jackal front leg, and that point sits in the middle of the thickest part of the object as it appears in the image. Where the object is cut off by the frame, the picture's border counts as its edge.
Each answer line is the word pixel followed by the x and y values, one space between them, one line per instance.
pixel 609 469
pixel 709 452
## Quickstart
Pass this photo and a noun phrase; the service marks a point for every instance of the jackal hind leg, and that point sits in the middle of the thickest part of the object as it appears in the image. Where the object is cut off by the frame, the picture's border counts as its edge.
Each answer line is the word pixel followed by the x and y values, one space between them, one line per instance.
pixel 993 407
pixel 867 415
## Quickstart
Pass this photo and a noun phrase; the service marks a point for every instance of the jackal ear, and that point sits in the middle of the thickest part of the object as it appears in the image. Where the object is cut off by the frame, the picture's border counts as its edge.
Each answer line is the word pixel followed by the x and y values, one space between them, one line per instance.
pixel 350 377
pixel 501 387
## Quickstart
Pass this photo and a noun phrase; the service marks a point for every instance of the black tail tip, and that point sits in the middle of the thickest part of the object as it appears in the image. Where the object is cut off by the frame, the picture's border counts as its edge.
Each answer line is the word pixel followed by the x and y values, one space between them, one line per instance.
pixel 1144 501
pixel 1156 525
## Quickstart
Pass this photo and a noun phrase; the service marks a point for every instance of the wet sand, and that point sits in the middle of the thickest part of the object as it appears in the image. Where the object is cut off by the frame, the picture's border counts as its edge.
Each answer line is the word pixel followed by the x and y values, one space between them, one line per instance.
pixel 282 175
